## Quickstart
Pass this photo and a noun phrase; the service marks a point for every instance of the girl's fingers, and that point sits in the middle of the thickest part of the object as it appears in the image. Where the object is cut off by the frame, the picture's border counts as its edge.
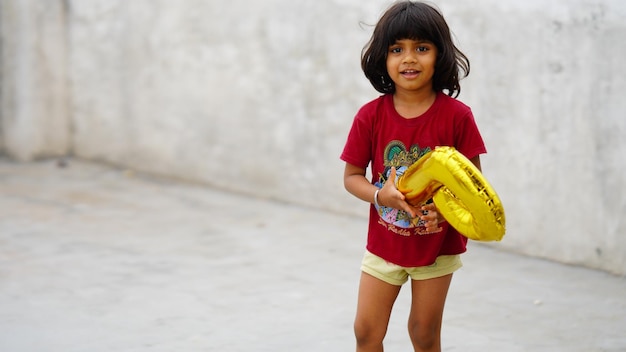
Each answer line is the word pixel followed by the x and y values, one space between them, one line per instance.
pixel 409 209
pixel 392 176
pixel 429 207
pixel 430 216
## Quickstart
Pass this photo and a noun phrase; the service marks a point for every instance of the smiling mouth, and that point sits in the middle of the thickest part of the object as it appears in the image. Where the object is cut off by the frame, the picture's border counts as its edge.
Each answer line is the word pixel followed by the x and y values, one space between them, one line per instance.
pixel 410 73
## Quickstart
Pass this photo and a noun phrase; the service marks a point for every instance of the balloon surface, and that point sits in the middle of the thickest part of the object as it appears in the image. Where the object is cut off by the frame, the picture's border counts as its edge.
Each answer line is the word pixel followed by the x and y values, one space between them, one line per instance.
pixel 460 192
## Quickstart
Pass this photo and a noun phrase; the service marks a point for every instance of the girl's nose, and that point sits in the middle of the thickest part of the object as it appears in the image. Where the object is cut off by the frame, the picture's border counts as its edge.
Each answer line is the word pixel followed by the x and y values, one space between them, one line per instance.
pixel 410 57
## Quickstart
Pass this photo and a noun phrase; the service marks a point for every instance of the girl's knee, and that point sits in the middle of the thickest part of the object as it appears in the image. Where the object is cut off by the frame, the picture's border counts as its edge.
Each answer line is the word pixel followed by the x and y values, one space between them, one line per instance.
pixel 368 334
pixel 425 337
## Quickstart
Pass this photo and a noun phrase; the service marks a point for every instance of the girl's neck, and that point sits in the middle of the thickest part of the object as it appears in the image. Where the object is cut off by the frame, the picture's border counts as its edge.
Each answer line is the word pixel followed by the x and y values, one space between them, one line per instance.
pixel 413 104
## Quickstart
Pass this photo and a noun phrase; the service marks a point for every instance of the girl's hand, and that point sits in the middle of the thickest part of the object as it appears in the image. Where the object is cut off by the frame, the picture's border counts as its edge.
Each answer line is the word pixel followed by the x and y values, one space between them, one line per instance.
pixel 389 196
pixel 431 216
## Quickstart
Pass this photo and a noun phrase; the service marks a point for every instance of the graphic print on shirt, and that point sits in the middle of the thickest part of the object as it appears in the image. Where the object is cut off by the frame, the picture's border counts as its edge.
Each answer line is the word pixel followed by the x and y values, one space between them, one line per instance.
pixel 398 156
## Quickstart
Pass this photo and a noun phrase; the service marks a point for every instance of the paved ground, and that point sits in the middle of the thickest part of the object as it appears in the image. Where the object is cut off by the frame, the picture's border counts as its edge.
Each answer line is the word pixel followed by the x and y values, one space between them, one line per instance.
pixel 98 259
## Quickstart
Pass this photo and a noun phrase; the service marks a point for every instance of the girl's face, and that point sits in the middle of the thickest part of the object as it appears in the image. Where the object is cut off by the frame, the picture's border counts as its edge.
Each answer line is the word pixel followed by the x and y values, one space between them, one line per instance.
pixel 411 65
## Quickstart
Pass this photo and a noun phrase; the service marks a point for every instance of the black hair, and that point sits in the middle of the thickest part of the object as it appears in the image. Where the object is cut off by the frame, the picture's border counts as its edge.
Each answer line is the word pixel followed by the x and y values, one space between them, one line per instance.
pixel 416 21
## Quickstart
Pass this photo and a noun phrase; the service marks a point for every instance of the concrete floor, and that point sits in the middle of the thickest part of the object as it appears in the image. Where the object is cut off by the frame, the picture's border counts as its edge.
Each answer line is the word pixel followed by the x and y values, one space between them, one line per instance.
pixel 99 259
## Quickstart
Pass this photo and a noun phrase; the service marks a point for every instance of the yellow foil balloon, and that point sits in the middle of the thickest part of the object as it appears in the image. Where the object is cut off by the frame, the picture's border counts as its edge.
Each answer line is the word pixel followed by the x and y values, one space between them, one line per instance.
pixel 459 190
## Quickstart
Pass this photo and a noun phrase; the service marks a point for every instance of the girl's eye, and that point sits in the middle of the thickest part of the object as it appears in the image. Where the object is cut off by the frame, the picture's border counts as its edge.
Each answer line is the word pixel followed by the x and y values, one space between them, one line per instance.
pixel 395 50
pixel 422 49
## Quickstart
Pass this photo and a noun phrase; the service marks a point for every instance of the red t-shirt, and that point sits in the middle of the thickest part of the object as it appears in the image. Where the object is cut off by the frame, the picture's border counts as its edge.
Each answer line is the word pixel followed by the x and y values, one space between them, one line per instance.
pixel 381 138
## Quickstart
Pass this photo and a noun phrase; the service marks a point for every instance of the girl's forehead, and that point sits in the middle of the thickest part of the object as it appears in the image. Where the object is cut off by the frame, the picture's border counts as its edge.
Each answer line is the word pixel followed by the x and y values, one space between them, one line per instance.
pixel 413 40
pixel 410 41
pixel 414 32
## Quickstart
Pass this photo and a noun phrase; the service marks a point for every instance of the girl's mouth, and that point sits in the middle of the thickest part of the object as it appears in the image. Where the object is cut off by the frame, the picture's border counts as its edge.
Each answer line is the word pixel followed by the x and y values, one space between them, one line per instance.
pixel 410 73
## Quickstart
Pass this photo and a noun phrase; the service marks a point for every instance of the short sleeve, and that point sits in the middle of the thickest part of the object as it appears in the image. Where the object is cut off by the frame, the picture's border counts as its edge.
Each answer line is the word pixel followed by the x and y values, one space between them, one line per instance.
pixel 358 148
pixel 467 137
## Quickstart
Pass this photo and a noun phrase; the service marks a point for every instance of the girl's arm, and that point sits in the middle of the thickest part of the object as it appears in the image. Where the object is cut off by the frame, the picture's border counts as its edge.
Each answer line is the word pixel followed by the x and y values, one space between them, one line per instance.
pixel 476 161
pixel 357 184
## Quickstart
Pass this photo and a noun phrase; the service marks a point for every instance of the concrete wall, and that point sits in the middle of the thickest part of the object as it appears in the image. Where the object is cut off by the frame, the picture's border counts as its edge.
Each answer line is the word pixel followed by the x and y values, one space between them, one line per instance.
pixel 34 93
pixel 547 88
pixel 257 97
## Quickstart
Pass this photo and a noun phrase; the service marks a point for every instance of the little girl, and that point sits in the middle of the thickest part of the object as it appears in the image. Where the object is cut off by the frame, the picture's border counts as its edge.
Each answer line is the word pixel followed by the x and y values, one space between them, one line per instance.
pixel 412 60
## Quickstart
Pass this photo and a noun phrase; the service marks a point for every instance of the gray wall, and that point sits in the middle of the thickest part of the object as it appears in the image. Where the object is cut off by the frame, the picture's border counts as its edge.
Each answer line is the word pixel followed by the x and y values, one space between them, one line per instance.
pixel 34 91
pixel 257 97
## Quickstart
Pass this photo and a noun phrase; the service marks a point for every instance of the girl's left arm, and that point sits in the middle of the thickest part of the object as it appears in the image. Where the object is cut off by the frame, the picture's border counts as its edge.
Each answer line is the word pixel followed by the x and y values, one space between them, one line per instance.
pixel 476 161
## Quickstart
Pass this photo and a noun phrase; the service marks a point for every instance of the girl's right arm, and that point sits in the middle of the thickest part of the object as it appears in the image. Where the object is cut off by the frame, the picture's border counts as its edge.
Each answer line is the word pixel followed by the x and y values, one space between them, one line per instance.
pixel 357 184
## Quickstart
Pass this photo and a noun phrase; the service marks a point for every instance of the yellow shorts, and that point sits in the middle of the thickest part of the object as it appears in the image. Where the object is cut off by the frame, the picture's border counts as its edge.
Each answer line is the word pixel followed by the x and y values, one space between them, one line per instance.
pixel 397 275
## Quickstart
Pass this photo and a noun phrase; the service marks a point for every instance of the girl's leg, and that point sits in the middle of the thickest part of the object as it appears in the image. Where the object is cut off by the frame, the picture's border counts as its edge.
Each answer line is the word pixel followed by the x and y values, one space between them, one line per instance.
pixel 428 300
pixel 376 299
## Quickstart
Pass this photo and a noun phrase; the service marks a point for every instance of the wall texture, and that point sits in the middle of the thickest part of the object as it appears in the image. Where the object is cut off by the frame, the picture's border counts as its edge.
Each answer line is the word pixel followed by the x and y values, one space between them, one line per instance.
pixel 547 83
pixel 34 91
pixel 257 98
